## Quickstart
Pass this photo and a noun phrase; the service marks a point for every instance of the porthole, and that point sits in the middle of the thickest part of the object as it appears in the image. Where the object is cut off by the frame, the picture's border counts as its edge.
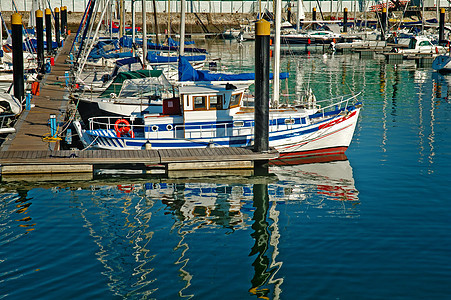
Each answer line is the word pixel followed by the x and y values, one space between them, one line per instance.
pixel 169 127
pixel 154 128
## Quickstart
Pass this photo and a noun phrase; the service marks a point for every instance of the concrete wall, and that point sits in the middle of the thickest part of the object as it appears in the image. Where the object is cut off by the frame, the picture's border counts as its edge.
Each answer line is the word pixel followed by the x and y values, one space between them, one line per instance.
pixel 215 23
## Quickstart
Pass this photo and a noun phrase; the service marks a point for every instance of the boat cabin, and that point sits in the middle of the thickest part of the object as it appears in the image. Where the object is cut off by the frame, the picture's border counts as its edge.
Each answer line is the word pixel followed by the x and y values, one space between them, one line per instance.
pixel 205 98
pixel 202 105
pixel 421 44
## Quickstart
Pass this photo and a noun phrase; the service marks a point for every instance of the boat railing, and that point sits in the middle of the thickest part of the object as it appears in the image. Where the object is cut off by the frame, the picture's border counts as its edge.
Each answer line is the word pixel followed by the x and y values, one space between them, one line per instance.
pixel 109 122
pixel 190 131
pixel 339 103
pixel 4 120
pixel 214 130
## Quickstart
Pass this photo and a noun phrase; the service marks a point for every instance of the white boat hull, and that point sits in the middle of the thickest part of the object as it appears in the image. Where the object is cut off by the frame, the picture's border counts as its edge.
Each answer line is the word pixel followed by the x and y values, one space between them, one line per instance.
pixel 330 136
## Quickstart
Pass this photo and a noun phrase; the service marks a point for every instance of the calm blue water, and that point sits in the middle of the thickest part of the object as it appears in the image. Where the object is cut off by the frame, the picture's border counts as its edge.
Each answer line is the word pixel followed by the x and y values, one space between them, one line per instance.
pixel 374 226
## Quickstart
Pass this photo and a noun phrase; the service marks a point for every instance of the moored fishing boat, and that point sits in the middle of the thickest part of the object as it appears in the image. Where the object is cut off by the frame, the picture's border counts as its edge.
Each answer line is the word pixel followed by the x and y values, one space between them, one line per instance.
pixel 214 116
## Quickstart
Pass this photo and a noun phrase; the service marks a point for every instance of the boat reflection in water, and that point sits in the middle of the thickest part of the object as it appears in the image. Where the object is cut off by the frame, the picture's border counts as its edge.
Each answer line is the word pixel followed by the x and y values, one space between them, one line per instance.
pixel 172 239
pixel 205 210
pixel 330 176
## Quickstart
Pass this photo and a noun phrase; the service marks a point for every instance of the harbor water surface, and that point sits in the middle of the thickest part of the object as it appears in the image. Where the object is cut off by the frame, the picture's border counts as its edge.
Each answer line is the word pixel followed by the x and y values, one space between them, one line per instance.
pixel 374 225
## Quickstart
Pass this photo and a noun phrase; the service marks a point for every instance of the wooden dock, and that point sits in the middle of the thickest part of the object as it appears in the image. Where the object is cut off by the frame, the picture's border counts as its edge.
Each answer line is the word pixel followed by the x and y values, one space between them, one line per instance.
pixel 29 151
pixel 87 161
pixel 32 126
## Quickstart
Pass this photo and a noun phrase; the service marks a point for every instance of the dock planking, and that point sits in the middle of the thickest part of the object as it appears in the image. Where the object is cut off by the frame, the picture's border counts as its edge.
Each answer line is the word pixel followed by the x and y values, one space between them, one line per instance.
pixel 32 125
pixel 47 161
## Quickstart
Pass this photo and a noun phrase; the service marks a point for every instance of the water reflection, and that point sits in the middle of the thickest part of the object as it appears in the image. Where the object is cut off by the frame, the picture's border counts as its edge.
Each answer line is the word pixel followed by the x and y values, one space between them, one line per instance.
pixel 147 234
pixel 395 89
pixel 15 217
pixel 333 180
pixel 265 265
pixel 442 84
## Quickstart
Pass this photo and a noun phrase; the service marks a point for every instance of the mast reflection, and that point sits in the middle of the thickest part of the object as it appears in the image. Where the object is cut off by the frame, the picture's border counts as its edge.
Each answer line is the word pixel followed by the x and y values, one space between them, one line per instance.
pixel 262 236
pixel 15 216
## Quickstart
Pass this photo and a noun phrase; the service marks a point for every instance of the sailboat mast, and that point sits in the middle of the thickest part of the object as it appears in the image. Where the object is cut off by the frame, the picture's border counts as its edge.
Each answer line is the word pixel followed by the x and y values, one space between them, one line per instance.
pixel 276 84
pixel 133 20
pixel 155 21
pixel 437 4
pixel 422 17
pixel 169 18
pixel 93 40
pixel 1 37
pixel 144 12
pixel 182 27
pixel 121 18
pixel 298 15
pixel 386 19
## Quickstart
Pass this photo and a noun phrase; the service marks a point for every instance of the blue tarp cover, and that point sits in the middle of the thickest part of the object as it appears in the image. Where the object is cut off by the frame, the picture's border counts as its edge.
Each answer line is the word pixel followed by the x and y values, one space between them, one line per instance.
pixel 34 45
pixel 126 41
pixel 173 43
pixel 158 47
pixel 188 73
pixel 110 55
pixel 153 58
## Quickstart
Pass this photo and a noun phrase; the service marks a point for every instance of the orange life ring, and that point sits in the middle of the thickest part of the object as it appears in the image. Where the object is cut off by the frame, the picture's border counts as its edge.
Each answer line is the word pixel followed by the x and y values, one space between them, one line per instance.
pixel 125 129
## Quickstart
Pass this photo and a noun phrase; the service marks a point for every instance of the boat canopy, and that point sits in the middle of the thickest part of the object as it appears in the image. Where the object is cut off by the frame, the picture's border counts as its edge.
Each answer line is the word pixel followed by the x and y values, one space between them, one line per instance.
pixel 173 43
pixel 116 86
pixel 154 58
pixel 188 73
pixel 34 45
pixel 103 47
pixel 127 64
pixel 158 47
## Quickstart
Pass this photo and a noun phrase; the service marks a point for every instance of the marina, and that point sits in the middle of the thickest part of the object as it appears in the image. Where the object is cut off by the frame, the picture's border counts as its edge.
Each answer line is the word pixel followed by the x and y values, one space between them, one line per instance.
pixel 165 199
pixel 219 120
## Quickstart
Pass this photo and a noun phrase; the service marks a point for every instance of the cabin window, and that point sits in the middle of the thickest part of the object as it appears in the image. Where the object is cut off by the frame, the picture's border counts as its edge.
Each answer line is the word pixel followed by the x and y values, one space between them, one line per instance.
pixel 412 43
pixel 200 102
pixel 216 102
pixel 238 123
pixel 425 43
pixel 235 100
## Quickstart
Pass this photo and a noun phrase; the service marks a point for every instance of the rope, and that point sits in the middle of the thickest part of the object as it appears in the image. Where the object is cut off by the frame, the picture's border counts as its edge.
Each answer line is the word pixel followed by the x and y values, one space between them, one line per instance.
pixel 49 138
pixel 85 148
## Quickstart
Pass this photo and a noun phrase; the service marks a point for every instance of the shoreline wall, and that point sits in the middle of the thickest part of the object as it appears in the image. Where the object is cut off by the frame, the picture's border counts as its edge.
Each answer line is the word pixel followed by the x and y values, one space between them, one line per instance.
pixel 214 22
